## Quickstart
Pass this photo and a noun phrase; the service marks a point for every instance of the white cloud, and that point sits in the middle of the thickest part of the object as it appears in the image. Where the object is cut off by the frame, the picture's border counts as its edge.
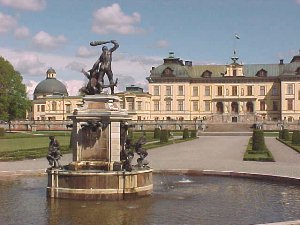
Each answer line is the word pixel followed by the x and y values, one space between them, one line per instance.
pixel 86 52
pixel 45 41
pixel 76 66
pixel 162 44
pixel 30 5
pixel 30 86
pixel 7 23
pixel 22 32
pixel 112 19
pixel 30 64
pixel 73 86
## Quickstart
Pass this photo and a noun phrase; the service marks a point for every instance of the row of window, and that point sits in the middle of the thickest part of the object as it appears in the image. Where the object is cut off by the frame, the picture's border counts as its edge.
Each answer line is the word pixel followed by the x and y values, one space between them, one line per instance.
pixel 220 106
pixel 220 90
pixel 41 108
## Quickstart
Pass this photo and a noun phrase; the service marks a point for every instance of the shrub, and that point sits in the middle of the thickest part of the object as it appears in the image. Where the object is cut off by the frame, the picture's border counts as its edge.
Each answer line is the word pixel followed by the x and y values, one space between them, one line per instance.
pixel 193 133
pixel 185 133
pixel 164 136
pixel 130 133
pixel 258 141
pixel 2 131
pixel 296 137
pixel 157 132
pixel 285 134
pixel 280 134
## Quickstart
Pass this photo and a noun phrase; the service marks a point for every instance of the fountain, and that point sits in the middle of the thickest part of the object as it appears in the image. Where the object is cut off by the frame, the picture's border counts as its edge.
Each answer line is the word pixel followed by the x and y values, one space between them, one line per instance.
pixel 100 168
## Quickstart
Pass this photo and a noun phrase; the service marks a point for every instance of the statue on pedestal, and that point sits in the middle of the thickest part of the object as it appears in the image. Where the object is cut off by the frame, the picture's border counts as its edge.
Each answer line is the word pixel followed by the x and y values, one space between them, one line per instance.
pixel 54 154
pixel 101 67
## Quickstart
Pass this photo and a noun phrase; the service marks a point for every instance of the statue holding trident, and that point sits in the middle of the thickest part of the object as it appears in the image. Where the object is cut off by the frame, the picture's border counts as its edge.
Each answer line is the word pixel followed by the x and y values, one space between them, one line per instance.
pixel 101 67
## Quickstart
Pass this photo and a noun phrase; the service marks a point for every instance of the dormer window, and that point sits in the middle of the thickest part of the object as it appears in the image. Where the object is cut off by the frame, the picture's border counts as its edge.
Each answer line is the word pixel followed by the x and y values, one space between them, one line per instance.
pixel 206 74
pixel 262 73
pixel 168 72
pixel 298 71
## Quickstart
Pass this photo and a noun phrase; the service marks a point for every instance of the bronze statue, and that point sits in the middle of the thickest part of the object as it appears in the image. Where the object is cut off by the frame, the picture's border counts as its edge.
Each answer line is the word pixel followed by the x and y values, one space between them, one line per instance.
pixel 54 153
pixel 141 152
pixel 101 67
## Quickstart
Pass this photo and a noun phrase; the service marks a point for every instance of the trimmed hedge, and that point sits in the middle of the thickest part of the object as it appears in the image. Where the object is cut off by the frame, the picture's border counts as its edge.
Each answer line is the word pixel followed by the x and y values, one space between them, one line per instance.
pixel 258 141
pixel 296 138
pixel 193 134
pixel 185 134
pixel 156 134
pixel 164 136
pixel 285 134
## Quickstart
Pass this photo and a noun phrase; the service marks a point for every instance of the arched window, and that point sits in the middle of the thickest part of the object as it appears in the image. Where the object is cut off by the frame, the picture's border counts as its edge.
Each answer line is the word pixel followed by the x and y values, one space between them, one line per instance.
pixel 262 73
pixel 234 107
pixel 206 74
pixel 249 107
pixel 220 108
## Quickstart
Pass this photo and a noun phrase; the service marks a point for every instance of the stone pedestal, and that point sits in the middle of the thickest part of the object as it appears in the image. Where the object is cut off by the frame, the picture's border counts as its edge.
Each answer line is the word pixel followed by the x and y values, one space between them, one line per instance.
pixel 96 171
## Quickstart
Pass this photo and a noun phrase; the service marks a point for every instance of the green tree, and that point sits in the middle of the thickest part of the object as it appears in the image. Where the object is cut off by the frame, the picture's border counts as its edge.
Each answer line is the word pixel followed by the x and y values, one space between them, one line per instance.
pixel 13 97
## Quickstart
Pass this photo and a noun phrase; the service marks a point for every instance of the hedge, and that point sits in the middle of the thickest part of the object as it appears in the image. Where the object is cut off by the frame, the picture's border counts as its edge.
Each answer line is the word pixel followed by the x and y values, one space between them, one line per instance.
pixel 185 134
pixel 157 132
pixel 296 138
pixel 258 141
pixel 164 136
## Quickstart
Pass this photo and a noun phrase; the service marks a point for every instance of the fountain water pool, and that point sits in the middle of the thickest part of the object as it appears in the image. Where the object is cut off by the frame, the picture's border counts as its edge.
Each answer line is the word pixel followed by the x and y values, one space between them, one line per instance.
pixel 176 199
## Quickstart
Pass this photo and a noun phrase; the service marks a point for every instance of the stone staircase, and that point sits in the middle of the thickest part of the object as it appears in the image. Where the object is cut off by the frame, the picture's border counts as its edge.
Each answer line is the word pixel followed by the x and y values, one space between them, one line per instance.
pixel 227 129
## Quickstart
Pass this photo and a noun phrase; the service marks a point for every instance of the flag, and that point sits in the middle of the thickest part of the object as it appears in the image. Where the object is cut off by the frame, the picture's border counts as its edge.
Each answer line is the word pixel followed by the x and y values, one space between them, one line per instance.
pixel 237 36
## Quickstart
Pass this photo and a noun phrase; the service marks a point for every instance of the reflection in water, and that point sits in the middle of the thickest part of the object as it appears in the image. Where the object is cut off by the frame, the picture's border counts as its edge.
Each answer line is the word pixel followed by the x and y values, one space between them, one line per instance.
pixel 176 200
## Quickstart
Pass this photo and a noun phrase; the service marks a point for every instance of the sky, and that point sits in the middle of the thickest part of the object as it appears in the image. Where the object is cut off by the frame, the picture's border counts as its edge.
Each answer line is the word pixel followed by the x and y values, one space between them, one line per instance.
pixel 38 34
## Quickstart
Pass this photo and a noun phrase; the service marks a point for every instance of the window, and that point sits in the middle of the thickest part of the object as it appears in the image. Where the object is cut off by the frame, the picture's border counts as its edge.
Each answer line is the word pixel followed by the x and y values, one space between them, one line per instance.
pixel 195 105
pixel 156 105
pixel 38 108
pixel 262 105
pixel 180 90
pixel 274 90
pixel 220 90
pixel 130 106
pixel 234 72
pixel 122 105
pixel 207 91
pixel 290 89
pixel 139 105
pixel 242 91
pixel 234 90
pixel 290 104
pixel 262 90
pixel 207 106
pixel 156 90
pixel 249 90
pixel 42 108
pixel 168 91
pixel 195 91
pixel 68 108
pixel 275 106
pixel 54 104
pixel 168 105
pixel 180 105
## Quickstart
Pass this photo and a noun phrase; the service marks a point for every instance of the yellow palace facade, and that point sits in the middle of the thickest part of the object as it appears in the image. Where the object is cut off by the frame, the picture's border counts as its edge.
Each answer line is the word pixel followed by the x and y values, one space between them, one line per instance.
pixel 225 93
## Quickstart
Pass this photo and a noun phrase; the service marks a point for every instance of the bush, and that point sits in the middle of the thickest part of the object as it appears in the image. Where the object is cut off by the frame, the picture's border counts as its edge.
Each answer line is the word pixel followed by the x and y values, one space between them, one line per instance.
pixel 296 137
pixel 157 132
pixel 280 134
pixel 285 134
pixel 130 133
pixel 185 133
pixel 258 141
pixel 193 133
pixel 2 131
pixel 164 136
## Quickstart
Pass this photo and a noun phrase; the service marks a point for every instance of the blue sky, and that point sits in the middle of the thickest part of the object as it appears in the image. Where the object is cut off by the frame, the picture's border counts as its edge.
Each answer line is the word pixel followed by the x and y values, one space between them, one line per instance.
pixel 38 34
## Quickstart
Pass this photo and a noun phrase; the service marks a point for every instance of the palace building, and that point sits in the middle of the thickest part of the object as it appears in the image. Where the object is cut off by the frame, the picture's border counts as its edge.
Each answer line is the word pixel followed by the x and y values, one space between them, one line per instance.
pixel 225 93
pixel 51 100
pixel 182 91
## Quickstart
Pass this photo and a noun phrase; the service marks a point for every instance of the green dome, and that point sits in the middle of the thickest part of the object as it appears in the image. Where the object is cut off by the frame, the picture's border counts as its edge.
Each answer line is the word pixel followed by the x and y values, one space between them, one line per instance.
pixel 50 86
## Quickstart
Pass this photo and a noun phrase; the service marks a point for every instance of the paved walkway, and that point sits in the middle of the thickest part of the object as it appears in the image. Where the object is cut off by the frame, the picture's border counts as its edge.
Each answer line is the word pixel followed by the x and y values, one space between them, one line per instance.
pixel 220 153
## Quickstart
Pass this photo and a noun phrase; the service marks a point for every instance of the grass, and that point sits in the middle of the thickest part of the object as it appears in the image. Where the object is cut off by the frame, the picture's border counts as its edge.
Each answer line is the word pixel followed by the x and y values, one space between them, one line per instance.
pixel 262 156
pixel 289 144
pixel 19 146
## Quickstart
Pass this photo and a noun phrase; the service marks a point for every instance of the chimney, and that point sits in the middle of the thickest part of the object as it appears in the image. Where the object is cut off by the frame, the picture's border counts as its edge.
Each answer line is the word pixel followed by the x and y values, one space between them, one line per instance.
pixel 171 54
pixel 188 63
pixel 281 62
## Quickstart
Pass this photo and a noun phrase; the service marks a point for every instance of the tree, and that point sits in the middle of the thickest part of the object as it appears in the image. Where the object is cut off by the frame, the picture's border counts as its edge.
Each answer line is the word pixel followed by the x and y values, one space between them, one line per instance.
pixel 13 97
